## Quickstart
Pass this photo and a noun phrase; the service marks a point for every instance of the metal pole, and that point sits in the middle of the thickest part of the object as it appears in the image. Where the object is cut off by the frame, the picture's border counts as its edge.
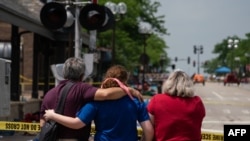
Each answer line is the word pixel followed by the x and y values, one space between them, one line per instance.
pixel 92 34
pixel 232 61
pixel 144 59
pixel 35 66
pixel 198 65
pixel 113 43
pixel 15 69
pixel 77 33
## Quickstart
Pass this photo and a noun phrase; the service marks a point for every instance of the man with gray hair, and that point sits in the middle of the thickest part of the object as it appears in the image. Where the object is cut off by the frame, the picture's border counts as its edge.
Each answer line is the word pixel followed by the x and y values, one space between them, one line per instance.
pixel 79 94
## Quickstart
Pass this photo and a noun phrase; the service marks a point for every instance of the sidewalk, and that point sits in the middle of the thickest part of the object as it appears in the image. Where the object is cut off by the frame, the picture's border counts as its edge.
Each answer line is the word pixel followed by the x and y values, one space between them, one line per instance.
pixel 25 106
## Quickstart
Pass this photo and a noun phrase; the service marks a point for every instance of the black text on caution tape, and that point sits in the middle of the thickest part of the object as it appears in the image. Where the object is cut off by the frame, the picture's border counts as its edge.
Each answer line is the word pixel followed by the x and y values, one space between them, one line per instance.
pixel 20 126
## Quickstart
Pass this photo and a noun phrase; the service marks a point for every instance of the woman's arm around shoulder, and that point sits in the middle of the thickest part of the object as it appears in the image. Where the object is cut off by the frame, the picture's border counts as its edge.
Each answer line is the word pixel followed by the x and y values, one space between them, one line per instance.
pixel 70 122
pixel 115 93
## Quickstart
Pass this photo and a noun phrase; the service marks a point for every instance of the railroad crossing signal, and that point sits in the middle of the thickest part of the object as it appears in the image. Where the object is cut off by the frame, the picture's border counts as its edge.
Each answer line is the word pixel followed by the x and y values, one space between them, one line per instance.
pixel 92 16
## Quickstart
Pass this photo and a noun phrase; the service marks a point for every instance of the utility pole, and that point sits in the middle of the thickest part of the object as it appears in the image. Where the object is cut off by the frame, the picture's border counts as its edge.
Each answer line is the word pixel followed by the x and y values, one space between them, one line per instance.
pixel 77 33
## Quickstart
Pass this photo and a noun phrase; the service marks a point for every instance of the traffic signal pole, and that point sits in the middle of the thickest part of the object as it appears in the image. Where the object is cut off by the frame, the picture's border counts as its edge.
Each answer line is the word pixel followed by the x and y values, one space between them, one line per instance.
pixel 198 50
pixel 92 40
pixel 176 59
pixel 198 62
pixel 60 11
pixel 77 33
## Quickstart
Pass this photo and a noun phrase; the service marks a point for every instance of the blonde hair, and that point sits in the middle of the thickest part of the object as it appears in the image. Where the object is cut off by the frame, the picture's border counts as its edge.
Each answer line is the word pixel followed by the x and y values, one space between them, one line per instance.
pixel 178 84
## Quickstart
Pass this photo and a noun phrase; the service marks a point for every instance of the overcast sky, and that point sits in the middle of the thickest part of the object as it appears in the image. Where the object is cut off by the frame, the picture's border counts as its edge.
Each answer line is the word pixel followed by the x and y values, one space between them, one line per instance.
pixel 202 22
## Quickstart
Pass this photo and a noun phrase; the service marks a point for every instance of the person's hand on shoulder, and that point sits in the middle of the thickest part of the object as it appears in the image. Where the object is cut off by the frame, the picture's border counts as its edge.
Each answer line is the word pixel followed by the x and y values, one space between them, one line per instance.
pixel 136 93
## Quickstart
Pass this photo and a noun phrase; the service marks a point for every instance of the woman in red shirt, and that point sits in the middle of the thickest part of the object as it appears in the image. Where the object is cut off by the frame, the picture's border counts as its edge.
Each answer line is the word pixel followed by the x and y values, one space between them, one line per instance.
pixel 177 114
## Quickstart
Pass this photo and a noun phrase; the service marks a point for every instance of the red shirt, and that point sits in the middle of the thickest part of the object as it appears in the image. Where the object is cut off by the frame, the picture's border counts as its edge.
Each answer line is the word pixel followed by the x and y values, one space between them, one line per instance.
pixel 176 118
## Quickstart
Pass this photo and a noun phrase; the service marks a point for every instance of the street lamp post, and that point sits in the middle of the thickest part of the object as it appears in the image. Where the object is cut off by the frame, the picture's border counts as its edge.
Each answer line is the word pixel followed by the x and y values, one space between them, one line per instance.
pixel 232 43
pixel 145 31
pixel 198 50
pixel 117 9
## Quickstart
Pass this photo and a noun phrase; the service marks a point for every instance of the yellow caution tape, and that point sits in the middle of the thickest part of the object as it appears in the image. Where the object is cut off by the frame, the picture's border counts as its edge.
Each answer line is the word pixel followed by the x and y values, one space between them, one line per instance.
pixel 19 126
pixel 139 131
pixel 35 127
pixel 212 136
pixel 205 135
pixel 25 78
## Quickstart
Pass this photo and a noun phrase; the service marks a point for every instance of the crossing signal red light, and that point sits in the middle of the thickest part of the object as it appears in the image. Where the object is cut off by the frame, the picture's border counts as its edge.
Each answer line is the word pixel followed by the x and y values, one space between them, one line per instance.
pixel 109 20
pixel 91 17
pixel 96 17
pixel 53 15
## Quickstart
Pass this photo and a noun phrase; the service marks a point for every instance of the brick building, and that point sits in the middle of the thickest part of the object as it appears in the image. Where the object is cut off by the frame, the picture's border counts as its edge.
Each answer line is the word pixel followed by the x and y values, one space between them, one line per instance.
pixel 26 52
pixel 33 48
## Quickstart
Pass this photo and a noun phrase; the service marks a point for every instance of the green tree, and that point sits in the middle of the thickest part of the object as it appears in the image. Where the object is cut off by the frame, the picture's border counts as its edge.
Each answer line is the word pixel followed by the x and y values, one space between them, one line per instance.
pixel 235 58
pixel 129 43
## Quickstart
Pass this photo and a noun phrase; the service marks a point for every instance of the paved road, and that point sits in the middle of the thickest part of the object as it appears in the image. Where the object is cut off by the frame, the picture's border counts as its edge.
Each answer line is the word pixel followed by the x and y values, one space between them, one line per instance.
pixel 225 104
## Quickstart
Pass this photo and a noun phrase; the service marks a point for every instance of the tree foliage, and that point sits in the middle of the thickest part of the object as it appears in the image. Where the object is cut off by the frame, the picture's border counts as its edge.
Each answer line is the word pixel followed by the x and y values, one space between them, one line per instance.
pixel 234 58
pixel 129 43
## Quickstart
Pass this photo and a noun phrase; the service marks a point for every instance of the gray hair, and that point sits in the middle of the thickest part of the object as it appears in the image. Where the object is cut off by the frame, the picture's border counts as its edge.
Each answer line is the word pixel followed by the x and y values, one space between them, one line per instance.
pixel 73 69
pixel 178 84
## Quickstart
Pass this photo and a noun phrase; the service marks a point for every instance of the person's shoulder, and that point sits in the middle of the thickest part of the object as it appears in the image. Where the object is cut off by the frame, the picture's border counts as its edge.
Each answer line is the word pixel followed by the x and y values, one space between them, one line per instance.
pixel 52 91
pixel 84 84
pixel 160 95
pixel 197 98
pixel 157 97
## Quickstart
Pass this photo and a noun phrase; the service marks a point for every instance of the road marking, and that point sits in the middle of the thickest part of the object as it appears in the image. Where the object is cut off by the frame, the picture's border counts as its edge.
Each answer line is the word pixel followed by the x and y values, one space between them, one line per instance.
pixel 219 96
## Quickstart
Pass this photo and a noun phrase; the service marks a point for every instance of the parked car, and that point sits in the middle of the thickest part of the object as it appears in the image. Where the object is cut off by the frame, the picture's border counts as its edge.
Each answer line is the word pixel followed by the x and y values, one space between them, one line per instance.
pixel 231 78
pixel 198 78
